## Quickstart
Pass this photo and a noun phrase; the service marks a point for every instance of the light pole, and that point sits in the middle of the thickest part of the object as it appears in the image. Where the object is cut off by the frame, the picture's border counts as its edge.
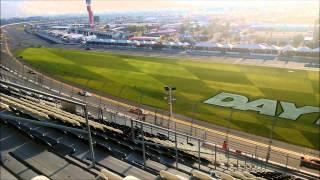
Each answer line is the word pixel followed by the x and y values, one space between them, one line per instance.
pixel 72 87
pixel 85 97
pixel 101 111
pixel 226 142
pixel 118 106
pixel 270 139
pixel 194 106
pixel 228 128
pixel 143 118
pixel 170 100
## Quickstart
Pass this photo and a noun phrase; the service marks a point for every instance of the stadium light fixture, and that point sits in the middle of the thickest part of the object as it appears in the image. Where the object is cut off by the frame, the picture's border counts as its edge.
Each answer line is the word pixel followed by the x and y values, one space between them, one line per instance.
pixel 170 100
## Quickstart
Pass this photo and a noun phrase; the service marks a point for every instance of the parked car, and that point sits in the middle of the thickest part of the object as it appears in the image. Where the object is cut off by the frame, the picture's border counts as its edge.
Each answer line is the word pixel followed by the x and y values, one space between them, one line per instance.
pixel 84 93
pixel 310 163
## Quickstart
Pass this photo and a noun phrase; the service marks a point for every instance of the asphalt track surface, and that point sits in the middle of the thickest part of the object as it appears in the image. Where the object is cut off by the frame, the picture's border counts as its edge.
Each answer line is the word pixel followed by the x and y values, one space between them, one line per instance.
pixel 281 152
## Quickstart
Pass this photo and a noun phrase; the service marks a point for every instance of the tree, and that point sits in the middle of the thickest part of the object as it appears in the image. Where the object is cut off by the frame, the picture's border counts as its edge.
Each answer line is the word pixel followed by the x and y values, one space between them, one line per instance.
pixel 139 29
pixel 316 33
pixel 298 40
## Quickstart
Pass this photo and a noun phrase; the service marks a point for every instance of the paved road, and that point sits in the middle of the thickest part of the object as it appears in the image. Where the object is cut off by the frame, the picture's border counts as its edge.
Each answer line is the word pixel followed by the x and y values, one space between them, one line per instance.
pixel 237 140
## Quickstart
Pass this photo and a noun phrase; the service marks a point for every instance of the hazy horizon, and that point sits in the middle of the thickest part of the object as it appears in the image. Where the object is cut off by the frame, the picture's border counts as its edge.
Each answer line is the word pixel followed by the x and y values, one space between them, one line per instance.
pixel 26 8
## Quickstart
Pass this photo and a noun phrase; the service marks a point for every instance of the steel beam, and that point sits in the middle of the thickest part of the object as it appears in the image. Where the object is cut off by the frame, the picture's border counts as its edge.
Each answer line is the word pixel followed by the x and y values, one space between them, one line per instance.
pixel 41 123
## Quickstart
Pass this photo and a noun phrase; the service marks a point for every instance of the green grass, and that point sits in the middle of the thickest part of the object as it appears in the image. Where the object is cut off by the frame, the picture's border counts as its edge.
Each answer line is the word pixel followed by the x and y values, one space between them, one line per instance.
pixel 196 81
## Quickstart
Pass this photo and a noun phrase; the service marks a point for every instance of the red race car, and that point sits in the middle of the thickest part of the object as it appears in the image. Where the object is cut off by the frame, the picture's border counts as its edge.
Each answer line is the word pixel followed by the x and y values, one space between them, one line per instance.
pixel 137 111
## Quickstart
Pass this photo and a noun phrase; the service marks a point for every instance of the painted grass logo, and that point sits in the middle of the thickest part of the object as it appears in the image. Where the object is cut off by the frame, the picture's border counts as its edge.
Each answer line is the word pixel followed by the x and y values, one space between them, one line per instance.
pixel 262 106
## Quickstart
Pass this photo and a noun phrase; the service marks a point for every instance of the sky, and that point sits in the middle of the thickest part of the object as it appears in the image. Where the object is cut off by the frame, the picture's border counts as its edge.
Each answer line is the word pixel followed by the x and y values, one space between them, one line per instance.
pixel 25 8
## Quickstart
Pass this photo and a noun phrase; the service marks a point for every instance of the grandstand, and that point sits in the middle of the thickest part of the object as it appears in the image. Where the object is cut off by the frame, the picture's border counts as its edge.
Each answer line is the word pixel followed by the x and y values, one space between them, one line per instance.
pixel 209 47
pixel 42 139
pixel 196 48
pixel 36 128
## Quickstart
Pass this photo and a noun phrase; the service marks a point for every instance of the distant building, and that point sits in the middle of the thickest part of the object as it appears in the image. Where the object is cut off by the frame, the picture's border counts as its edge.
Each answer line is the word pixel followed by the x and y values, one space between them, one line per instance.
pixel 145 38
pixel 162 32
pixel 96 19
pixel 61 28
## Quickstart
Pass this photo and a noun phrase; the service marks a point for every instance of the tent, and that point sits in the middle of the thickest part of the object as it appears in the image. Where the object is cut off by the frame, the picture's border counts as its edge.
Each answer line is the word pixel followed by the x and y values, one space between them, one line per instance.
pixel 304 49
pixel 241 46
pixel 172 43
pixel 257 46
pixel 186 44
pixel 273 47
pixel 227 46
pixel 317 50
pixel 179 44
pixel 288 48
pixel 209 45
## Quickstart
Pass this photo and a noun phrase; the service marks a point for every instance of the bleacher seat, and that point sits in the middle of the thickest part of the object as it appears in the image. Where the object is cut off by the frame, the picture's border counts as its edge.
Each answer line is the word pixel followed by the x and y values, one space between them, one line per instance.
pixel 224 176
pixel 260 178
pixel 130 178
pixel 201 175
pixel 41 177
pixel 4 106
pixel 170 176
pixel 120 135
pixel 108 175
pixel 248 175
pixel 238 175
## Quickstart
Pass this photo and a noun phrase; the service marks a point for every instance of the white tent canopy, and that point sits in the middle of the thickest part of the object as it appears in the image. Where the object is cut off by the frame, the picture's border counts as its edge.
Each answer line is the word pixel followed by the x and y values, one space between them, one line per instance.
pixel 241 46
pixel 250 46
pixel 186 44
pixel 304 49
pixel 208 44
pixel 316 50
pixel 172 43
pixel 179 44
pixel 288 48
pixel 121 41
pixel 257 46
pixel 217 45
pixel 227 46
pixel 273 47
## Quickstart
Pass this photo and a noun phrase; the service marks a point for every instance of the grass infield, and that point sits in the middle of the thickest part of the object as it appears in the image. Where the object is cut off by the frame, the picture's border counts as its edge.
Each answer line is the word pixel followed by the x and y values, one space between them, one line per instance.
pixel 196 81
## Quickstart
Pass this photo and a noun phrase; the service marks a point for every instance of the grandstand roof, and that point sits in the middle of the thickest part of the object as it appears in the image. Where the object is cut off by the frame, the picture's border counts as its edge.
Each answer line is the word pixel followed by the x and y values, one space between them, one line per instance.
pixel 250 46
pixel 208 44
pixel 59 27
pixel 75 36
pixel 145 38
pixel 164 31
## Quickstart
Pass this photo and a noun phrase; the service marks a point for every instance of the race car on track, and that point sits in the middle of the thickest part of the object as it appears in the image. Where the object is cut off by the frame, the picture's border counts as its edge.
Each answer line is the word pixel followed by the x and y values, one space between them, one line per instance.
pixel 137 111
pixel 84 93
pixel 310 163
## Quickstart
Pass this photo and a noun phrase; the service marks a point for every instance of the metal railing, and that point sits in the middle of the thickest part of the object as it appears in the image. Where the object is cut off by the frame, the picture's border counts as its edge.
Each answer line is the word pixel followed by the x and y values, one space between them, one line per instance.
pixel 84 106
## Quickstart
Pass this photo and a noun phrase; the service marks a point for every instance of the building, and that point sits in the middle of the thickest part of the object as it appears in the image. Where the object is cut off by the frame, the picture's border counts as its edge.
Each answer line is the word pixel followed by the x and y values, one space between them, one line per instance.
pixel 96 19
